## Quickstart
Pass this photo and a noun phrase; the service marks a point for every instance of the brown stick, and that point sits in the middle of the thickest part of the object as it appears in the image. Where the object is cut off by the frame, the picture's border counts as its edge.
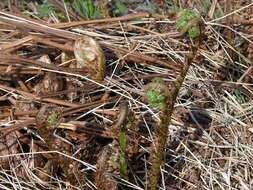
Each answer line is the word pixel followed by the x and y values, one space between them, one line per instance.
pixel 106 20
pixel 26 24
pixel 230 34
pixel 133 56
pixel 32 96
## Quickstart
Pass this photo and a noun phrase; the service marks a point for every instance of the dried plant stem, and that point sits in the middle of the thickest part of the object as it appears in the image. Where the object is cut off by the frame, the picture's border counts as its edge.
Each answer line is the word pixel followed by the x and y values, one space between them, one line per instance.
pixel 229 33
pixel 104 20
pixel 161 130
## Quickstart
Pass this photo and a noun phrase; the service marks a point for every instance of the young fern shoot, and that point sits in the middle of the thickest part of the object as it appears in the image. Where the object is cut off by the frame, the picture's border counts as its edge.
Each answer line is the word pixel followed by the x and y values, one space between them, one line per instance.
pixel 161 97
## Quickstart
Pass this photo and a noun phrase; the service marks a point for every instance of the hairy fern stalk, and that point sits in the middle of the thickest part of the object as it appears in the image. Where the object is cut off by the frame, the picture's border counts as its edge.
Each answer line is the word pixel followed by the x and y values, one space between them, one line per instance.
pixel 161 130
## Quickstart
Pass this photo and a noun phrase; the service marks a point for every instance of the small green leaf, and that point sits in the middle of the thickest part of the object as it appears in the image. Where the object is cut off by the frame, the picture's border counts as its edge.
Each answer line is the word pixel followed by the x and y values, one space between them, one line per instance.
pixel 193 32
pixel 239 97
pixel 52 119
pixel 155 99
pixel 86 9
pixel 156 93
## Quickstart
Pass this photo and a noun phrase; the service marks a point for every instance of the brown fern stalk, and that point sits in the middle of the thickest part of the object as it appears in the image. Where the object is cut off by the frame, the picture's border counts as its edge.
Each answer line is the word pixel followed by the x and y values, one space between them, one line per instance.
pixel 161 130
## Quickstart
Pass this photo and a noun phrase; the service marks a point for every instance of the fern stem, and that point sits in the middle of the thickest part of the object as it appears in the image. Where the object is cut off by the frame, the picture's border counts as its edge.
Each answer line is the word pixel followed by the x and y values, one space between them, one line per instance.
pixel 161 130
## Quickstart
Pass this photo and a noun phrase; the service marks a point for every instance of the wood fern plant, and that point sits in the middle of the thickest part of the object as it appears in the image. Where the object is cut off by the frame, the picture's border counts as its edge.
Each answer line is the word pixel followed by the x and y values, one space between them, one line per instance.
pixel 159 96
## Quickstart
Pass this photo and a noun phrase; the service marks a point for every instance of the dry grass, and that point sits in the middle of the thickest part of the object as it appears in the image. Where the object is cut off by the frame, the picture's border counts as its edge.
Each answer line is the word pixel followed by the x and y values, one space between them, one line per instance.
pixel 220 158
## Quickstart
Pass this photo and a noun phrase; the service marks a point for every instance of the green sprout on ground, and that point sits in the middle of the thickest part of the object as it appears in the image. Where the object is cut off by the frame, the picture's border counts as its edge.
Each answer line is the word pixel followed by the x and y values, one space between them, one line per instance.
pixel 188 22
pixel 239 96
pixel 123 146
pixel 122 157
pixel 155 93
pixel 44 10
pixel 86 9
pixel 52 118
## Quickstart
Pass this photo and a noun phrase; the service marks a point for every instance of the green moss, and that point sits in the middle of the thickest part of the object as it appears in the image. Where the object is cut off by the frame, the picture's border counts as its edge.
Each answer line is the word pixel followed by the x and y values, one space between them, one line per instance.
pixel 188 22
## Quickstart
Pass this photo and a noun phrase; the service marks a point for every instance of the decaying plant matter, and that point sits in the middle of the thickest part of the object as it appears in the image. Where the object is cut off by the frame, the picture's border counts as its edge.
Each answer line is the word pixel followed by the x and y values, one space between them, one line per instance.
pixel 89 55
pixel 144 100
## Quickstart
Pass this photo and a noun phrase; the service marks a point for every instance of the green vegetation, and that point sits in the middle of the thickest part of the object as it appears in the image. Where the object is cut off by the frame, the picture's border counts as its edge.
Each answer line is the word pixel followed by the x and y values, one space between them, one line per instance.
pixel 82 94
pixel 188 23
pixel 155 93
pixel 122 158
pixel 44 10
pixel 52 118
pixel 239 96
pixel 193 32
pixel 123 146
pixel 119 8
pixel 155 99
pixel 86 9
pixel 89 9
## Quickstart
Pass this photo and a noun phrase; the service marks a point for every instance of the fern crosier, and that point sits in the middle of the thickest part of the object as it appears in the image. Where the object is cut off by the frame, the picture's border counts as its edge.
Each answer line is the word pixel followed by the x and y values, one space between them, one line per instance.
pixel 156 93
pixel 188 22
